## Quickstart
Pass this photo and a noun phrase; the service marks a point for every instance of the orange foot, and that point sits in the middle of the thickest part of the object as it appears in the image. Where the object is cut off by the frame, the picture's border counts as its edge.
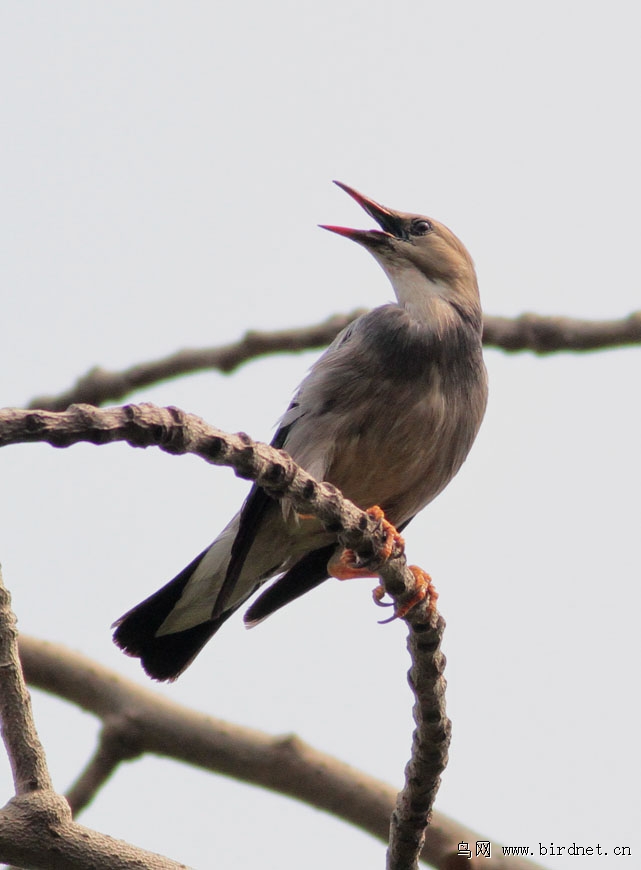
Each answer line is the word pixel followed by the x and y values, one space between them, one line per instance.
pixel 424 589
pixel 345 566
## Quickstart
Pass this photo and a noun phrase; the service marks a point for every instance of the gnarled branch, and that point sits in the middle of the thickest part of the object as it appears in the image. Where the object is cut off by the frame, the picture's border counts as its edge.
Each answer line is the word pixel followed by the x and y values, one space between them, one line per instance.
pixel 177 432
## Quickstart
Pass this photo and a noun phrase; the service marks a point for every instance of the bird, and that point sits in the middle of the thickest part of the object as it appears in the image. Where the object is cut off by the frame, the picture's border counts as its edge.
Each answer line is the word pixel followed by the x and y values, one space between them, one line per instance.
pixel 388 414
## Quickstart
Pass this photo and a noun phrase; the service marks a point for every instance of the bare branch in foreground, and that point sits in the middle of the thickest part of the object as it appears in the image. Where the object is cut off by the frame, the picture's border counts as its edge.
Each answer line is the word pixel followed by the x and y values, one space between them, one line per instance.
pixel 141 720
pixel 527 332
pixel 413 810
pixel 36 828
pixel 176 432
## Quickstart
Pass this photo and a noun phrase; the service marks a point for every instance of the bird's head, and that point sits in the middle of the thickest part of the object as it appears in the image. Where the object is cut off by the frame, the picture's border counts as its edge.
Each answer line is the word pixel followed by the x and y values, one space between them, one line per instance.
pixel 423 259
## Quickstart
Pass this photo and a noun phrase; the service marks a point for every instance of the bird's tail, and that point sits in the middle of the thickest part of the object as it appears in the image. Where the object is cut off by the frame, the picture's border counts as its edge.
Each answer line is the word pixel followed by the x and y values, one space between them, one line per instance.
pixel 164 656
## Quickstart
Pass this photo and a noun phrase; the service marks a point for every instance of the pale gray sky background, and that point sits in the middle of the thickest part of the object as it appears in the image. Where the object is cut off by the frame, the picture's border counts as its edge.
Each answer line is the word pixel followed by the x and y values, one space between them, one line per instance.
pixel 163 170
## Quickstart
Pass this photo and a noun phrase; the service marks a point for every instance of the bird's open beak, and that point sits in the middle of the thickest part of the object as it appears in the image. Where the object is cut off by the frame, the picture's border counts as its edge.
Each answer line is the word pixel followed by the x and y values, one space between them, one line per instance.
pixel 389 222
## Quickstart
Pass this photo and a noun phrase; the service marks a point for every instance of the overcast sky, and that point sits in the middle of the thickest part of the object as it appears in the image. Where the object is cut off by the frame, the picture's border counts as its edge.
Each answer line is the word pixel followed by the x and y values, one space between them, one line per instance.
pixel 163 170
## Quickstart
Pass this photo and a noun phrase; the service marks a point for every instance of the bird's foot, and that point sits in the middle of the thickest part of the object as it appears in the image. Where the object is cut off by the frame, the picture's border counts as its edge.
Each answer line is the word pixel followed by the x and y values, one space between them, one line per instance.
pixel 424 589
pixel 347 565
pixel 394 543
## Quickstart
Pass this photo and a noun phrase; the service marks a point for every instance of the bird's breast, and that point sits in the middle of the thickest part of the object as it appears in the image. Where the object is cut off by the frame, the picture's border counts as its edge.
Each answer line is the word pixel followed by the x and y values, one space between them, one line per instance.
pixel 401 449
pixel 390 417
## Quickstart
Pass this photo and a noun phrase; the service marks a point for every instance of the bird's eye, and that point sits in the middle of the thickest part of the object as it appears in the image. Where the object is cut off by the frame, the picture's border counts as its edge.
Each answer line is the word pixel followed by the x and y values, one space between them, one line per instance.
pixel 421 227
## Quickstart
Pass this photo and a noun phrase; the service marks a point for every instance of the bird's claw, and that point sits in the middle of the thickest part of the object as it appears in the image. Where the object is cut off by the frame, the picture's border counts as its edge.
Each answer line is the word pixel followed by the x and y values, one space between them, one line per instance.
pixel 378 594
pixel 346 565
pixel 424 589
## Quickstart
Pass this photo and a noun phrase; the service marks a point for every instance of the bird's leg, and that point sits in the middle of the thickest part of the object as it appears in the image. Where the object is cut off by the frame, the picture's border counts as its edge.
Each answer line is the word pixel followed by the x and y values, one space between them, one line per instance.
pixel 424 589
pixel 346 565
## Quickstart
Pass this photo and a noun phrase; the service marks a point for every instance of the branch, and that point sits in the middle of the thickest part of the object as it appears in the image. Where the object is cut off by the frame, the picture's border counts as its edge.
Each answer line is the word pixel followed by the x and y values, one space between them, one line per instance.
pixel 527 332
pixel 36 828
pixel 99 386
pixel 25 752
pixel 413 811
pixel 177 432
pixel 141 720
pixel 553 334
pixel 113 748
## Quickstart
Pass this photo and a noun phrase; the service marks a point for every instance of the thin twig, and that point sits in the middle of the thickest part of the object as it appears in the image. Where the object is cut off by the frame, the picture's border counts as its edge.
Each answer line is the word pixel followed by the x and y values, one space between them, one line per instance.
pixel 148 722
pixel 532 332
pixel 114 746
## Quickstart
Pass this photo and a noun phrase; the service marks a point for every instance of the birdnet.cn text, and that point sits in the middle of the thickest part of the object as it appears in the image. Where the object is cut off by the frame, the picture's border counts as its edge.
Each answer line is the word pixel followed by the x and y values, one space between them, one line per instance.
pixel 483 849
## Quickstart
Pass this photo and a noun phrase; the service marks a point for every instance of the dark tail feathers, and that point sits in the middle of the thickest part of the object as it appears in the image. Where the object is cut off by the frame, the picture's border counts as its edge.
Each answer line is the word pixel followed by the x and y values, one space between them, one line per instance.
pixel 167 656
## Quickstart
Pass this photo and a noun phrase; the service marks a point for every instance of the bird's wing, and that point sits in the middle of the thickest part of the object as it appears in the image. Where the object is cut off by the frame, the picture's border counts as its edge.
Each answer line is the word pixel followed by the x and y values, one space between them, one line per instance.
pixel 252 514
pixel 314 426
pixel 313 458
